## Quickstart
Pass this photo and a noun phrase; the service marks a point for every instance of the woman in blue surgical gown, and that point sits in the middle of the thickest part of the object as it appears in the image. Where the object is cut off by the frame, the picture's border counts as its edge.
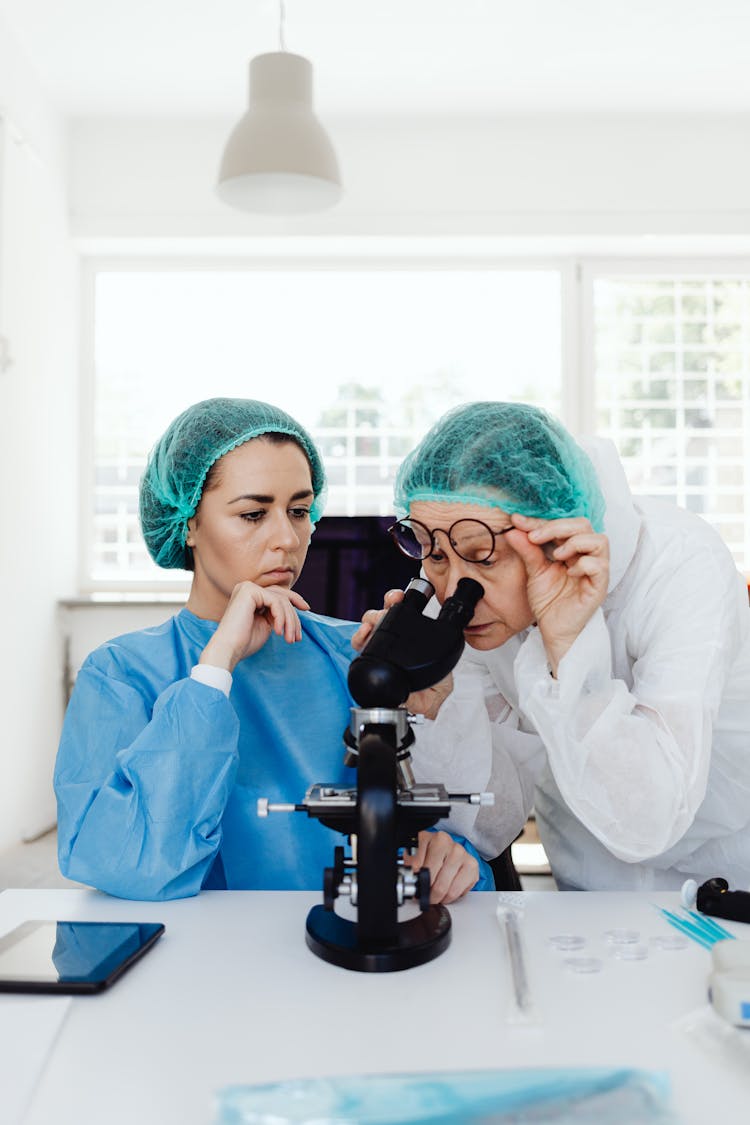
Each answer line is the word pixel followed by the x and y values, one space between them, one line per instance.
pixel 606 678
pixel 173 733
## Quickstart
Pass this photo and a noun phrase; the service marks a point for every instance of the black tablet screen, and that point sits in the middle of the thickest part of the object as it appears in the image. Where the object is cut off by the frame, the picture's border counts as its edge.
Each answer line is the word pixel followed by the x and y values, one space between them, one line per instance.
pixel 87 954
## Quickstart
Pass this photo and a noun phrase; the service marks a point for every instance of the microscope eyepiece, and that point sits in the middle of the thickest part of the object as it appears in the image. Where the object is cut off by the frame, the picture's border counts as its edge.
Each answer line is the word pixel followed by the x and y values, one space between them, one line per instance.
pixel 459 608
pixel 409 651
pixel 418 593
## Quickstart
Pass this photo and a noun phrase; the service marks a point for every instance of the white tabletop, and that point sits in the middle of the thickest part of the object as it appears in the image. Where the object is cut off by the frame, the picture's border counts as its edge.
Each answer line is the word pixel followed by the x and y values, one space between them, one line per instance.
pixel 231 994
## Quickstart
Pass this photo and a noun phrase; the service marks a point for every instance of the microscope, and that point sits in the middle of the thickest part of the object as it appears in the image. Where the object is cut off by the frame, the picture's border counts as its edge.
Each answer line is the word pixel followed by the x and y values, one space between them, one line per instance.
pixel 407 652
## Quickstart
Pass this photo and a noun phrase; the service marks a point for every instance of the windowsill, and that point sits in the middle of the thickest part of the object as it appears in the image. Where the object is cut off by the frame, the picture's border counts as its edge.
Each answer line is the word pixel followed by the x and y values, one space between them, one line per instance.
pixel 125 598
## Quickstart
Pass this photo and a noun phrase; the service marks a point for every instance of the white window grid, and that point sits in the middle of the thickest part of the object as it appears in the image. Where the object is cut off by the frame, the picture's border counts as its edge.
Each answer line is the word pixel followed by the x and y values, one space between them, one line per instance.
pixel 358 482
pixel 671 385
pixel 668 460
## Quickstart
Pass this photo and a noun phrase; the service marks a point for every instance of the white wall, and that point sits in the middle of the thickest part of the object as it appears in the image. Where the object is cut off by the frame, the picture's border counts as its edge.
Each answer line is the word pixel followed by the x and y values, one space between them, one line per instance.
pixel 548 177
pixel 38 442
pixel 84 625
pixel 553 175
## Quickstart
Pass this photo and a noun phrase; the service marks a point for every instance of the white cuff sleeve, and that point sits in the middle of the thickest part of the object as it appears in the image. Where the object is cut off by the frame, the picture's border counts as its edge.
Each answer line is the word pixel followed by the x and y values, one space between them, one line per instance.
pixel 212 676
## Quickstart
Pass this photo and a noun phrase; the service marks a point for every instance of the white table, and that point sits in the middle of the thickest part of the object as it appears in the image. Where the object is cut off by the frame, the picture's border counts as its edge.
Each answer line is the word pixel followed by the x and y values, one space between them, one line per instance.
pixel 231 994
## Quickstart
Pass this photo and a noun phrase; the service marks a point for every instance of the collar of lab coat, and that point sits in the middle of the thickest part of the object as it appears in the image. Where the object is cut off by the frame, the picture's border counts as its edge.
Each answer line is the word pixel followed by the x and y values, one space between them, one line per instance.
pixel 622 521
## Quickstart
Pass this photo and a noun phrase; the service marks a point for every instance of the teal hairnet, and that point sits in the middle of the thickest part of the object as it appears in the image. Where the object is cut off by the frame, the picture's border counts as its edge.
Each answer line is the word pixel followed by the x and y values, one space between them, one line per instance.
pixel 502 455
pixel 177 466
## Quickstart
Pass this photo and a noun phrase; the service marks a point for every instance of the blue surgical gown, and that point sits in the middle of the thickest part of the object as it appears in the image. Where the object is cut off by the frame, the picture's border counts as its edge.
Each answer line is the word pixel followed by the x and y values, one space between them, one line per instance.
pixel 158 775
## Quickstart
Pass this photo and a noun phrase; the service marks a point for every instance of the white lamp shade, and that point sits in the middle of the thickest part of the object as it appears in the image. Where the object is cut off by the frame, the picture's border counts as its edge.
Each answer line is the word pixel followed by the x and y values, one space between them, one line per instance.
pixel 278 157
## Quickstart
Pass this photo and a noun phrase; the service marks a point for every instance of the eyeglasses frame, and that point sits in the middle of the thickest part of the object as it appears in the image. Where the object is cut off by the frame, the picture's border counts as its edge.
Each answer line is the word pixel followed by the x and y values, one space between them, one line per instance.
pixel 432 532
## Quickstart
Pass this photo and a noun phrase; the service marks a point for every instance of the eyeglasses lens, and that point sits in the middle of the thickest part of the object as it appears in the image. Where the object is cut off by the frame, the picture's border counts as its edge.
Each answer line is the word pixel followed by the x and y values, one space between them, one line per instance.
pixel 412 538
pixel 472 540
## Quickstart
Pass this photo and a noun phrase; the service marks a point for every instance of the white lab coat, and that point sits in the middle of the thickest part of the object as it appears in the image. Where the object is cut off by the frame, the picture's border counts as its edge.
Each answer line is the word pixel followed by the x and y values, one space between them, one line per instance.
pixel 637 758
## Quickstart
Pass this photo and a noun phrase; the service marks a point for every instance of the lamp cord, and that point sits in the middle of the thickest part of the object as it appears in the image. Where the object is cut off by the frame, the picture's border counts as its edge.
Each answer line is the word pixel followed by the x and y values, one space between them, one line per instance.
pixel 282 18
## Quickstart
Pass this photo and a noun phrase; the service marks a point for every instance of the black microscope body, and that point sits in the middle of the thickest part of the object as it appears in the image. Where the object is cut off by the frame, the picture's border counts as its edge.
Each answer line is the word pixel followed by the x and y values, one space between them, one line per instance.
pixel 715 898
pixel 383 816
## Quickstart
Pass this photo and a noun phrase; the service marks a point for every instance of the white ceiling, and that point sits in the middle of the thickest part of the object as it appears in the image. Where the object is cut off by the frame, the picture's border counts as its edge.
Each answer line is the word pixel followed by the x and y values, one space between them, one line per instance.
pixel 188 57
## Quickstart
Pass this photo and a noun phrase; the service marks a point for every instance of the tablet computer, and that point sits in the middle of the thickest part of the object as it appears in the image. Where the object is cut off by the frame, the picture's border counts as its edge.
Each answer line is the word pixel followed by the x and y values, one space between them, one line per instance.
pixel 71 957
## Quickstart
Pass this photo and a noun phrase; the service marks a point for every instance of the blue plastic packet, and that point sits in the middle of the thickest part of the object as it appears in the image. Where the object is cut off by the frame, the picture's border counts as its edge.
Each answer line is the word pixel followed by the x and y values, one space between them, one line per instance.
pixel 560 1095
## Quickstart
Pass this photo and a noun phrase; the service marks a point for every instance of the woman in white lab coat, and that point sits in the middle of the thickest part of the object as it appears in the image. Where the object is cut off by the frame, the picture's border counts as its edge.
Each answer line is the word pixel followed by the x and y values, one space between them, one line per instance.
pixel 606 678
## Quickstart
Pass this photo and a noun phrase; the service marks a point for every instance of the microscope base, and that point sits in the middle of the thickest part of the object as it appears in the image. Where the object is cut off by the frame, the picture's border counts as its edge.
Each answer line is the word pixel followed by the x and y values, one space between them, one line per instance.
pixel 420 939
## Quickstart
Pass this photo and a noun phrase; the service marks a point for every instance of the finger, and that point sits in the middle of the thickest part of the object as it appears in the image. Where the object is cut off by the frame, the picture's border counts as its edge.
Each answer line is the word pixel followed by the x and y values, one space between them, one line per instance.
pixel 465 879
pixel 585 544
pixel 526 523
pixel 437 847
pixel 284 618
pixel 457 875
pixel 293 626
pixel 370 619
pixel 549 533
pixel 587 566
pixel 274 610
pixel 546 530
pixel 442 882
pixel 429 701
pixel 286 594
pixel 392 597
pixel 417 858
pixel 298 600
pixel 293 633
pixel 532 555
pixel 359 639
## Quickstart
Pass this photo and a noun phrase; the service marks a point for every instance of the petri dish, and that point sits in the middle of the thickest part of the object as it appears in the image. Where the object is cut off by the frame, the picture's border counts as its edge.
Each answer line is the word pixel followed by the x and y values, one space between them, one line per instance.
pixel 669 941
pixel 630 952
pixel 584 964
pixel 621 937
pixel 566 943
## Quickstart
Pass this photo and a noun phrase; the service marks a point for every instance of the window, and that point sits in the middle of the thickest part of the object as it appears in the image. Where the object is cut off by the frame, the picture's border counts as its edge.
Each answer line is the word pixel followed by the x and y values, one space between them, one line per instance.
pixel 655 356
pixel 672 376
pixel 365 358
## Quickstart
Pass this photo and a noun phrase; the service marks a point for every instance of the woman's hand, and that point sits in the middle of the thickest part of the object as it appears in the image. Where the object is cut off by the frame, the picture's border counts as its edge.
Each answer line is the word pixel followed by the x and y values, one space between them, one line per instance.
pixel 252 614
pixel 453 872
pixel 567 573
pixel 427 702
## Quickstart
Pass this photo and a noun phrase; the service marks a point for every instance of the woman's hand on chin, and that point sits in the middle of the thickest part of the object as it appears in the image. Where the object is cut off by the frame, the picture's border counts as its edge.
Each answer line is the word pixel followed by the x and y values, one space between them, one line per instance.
pixel 253 612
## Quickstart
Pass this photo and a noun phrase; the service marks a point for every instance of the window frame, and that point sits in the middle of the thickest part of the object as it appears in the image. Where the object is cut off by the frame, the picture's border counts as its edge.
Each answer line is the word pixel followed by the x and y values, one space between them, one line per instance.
pixel 589 269
pixel 577 272
pixel 674 266
pixel 437 255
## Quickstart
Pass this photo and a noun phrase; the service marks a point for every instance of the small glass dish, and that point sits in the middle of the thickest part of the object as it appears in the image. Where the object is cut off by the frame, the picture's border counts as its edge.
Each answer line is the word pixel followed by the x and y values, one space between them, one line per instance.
pixel 584 964
pixel 669 941
pixel 566 943
pixel 621 937
pixel 630 952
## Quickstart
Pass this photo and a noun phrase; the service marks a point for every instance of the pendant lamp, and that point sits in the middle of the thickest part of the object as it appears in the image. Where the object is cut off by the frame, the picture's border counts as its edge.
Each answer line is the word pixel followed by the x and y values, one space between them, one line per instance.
pixel 278 158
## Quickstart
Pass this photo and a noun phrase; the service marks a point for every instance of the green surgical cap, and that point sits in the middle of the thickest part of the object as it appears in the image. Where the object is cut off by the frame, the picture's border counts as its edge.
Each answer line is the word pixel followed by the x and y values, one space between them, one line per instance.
pixel 178 465
pixel 501 455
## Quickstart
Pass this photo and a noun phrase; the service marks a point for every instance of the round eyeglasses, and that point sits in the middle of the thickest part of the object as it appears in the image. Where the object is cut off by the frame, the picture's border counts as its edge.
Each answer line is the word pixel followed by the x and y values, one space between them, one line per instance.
pixel 472 540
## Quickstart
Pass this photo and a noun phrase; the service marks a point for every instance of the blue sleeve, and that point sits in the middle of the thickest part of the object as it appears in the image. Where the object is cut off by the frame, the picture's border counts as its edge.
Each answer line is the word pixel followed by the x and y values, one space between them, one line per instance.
pixel 141 788
pixel 486 880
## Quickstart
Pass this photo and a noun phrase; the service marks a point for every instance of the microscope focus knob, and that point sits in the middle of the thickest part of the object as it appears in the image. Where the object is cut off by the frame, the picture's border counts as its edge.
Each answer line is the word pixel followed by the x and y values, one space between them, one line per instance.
pixel 330 887
pixel 423 888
